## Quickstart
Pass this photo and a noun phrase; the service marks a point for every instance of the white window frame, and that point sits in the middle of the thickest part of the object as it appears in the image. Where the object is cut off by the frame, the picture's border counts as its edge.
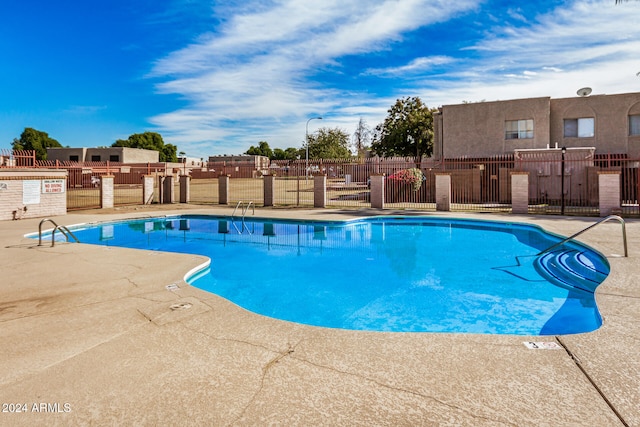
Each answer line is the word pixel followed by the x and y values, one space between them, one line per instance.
pixel 523 129
pixel 634 125
pixel 583 127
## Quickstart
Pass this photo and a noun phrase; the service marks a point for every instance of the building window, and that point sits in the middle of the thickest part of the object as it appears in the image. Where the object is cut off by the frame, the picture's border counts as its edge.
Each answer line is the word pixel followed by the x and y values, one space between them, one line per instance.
pixel 579 128
pixel 74 158
pixel 634 125
pixel 114 158
pixel 518 129
pixel 95 158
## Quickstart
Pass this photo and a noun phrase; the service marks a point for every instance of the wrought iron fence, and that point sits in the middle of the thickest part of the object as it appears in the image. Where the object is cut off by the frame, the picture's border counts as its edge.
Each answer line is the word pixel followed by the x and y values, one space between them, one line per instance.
pixel 559 182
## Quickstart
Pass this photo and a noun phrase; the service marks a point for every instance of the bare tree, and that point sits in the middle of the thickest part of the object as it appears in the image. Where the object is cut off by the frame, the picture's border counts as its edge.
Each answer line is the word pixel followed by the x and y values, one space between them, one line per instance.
pixel 361 137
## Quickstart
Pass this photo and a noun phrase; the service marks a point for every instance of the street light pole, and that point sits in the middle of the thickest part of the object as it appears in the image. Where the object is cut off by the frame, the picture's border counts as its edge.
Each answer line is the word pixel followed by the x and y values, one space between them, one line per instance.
pixel 306 138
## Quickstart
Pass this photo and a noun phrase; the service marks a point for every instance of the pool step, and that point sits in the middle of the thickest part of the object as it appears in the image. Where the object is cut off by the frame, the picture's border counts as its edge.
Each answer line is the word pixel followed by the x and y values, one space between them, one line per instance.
pixel 571 269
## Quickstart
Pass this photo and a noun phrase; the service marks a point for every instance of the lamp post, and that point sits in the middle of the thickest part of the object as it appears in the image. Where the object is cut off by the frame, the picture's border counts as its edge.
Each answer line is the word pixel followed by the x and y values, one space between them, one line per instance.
pixel 306 138
pixel 564 150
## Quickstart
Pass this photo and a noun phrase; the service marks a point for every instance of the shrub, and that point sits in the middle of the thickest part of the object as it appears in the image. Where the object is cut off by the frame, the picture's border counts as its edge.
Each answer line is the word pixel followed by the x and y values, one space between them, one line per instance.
pixel 412 176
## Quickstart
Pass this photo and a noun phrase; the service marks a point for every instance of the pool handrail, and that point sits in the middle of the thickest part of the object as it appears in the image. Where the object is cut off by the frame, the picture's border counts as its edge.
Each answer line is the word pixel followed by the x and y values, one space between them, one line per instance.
pixel 244 208
pixel 64 230
pixel 605 219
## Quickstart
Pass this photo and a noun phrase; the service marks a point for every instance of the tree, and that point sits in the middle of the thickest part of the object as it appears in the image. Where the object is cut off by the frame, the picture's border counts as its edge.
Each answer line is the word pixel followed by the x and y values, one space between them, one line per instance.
pixel 262 149
pixel 407 130
pixel 150 141
pixel 286 154
pixel 361 137
pixel 35 140
pixel 329 143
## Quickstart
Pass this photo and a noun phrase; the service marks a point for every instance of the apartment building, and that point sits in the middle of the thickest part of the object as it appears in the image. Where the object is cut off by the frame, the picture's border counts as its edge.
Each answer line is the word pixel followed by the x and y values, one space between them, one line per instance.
pixel 608 123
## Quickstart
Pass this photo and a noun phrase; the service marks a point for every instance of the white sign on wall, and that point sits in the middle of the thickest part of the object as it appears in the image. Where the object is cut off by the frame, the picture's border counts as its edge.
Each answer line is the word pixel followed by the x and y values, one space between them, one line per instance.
pixel 31 192
pixel 53 185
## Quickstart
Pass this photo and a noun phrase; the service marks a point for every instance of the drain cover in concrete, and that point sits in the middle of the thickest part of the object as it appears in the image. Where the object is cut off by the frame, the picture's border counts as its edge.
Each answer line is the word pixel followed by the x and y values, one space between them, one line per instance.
pixel 541 345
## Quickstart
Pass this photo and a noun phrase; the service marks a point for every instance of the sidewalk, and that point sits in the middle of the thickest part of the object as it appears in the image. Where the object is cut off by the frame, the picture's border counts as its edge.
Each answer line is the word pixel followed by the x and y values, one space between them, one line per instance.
pixel 92 335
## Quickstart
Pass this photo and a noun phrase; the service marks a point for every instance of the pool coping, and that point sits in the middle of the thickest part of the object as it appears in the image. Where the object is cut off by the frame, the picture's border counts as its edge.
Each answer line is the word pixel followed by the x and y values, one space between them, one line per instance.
pixel 121 338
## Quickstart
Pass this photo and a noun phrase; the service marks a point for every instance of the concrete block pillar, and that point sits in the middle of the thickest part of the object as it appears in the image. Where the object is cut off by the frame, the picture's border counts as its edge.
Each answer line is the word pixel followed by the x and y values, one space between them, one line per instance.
pixel 167 191
pixel 106 191
pixel 161 194
pixel 147 189
pixel 377 191
pixel 223 189
pixel 185 188
pixel 609 192
pixel 443 191
pixel 520 192
pixel 320 191
pixel 269 182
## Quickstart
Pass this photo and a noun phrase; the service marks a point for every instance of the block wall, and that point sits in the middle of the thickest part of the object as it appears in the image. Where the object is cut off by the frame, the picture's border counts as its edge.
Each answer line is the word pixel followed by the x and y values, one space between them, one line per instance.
pixel 32 194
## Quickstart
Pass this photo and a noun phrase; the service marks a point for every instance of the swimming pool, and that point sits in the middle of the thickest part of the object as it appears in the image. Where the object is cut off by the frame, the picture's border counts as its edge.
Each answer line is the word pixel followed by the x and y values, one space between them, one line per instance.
pixel 401 274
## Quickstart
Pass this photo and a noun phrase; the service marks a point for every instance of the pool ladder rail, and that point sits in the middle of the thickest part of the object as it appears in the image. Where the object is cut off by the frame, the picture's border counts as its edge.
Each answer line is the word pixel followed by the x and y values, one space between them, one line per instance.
pixel 244 208
pixel 603 220
pixel 63 229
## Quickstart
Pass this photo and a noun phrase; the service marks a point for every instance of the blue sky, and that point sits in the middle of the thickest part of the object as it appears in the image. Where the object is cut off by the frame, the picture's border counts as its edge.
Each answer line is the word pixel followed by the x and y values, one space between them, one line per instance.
pixel 215 77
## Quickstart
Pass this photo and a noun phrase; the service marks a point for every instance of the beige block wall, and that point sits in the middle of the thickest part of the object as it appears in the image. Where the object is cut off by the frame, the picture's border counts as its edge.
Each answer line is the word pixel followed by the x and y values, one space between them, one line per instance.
pixel 478 129
pixel 223 189
pixel 443 192
pixel 185 188
pixel 377 191
pixel 107 191
pixel 519 192
pixel 319 191
pixel 269 190
pixel 609 194
pixel 12 194
pixel 147 189
pixel 611 127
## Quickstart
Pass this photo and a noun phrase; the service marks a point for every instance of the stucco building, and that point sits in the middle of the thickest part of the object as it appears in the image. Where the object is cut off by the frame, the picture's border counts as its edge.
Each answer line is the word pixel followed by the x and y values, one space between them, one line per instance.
pixel 111 154
pixel 608 123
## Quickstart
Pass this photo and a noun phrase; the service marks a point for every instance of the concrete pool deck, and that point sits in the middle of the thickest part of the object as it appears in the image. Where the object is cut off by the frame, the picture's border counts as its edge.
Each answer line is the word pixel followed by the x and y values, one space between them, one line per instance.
pixel 92 335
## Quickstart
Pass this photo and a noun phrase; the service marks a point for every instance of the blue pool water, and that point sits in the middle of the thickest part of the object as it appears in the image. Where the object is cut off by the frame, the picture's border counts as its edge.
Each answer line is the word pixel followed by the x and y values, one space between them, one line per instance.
pixel 409 274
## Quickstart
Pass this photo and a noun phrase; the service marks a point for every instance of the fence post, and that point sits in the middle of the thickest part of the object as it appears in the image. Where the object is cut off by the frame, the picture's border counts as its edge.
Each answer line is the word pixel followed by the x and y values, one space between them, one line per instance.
pixel 106 191
pixel 167 190
pixel 147 189
pixel 185 188
pixel 320 191
pixel 377 191
pixel 443 191
pixel 161 194
pixel 520 192
pixel 268 190
pixel 609 192
pixel 223 189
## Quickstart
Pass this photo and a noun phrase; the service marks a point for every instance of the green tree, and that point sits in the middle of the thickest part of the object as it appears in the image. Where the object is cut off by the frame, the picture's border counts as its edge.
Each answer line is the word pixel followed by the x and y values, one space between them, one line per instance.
pixel 262 149
pixel 407 130
pixel 286 154
pixel 150 141
pixel 35 140
pixel 329 143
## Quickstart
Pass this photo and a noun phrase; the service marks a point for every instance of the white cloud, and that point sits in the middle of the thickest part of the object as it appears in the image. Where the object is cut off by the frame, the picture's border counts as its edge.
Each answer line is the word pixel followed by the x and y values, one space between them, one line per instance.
pixel 422 64
pixel 253 78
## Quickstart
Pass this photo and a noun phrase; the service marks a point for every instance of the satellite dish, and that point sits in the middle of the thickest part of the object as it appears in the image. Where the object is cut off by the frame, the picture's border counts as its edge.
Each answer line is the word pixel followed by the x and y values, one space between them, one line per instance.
pixel 585 91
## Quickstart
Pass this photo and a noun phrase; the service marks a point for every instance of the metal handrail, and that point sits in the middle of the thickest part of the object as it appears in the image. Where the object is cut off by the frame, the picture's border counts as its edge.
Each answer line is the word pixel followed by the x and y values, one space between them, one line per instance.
pixel 253 209
pixel 244 213
pixel 245 208
pixel 64 230
pixel 608 218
